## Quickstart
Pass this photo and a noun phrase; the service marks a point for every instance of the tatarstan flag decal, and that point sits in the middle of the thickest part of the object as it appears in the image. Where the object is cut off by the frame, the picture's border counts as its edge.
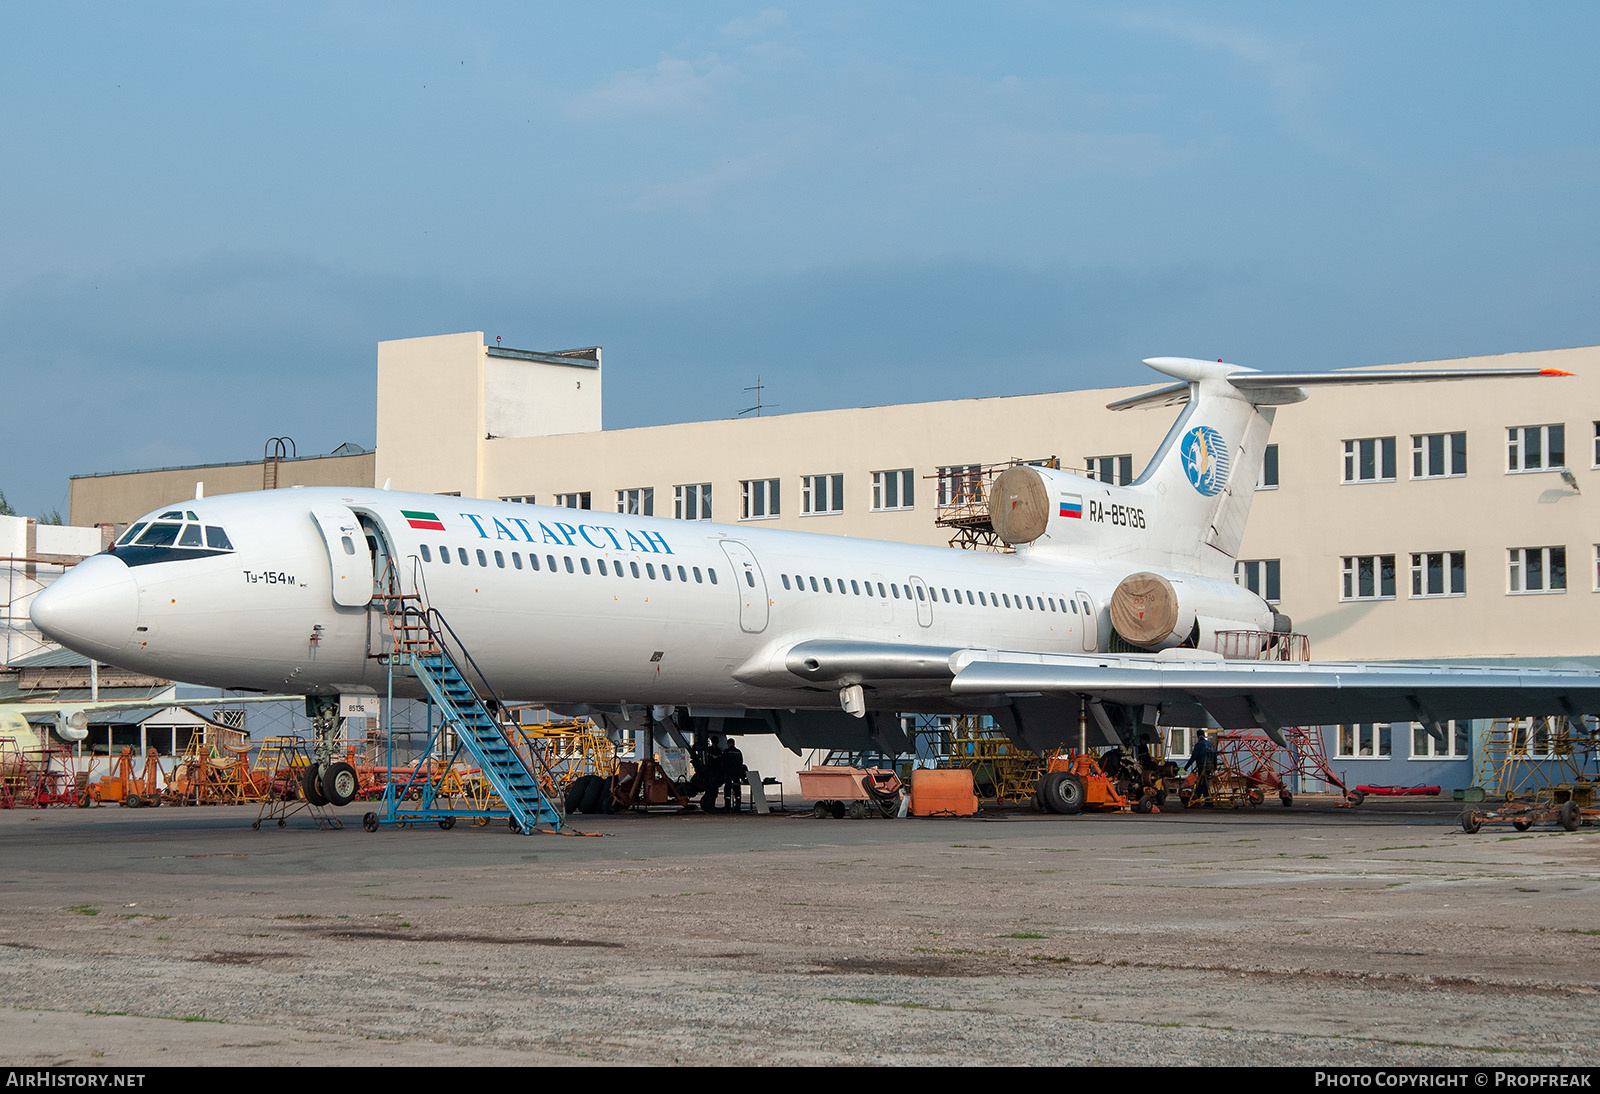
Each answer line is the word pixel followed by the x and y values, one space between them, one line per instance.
pixel 426 521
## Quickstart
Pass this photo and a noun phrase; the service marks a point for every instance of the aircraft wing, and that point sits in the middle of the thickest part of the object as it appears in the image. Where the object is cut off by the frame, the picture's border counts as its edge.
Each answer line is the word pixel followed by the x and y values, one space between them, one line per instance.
pixel 1234 694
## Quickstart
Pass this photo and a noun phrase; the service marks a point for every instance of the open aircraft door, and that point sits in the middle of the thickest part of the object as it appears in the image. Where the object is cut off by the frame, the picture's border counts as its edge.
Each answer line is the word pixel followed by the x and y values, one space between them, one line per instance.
pixel 348 555
pixel 753 601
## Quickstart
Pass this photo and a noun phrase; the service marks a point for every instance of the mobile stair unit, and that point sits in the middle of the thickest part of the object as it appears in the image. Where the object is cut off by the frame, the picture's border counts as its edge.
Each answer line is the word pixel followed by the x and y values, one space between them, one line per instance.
pixel 469 724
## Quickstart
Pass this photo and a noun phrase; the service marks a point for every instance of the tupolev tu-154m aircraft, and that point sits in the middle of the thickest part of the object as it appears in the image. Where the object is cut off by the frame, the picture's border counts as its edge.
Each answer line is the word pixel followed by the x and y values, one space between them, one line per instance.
pixel 820 639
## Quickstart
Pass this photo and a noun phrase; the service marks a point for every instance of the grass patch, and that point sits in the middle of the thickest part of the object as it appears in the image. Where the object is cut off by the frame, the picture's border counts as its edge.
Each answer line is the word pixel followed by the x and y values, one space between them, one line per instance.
pixel 83 909
pixel 1022 934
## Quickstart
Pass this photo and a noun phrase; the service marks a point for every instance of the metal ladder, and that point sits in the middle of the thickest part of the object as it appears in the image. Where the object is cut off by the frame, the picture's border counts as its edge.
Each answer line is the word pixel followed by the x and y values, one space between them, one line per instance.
pixel 425 646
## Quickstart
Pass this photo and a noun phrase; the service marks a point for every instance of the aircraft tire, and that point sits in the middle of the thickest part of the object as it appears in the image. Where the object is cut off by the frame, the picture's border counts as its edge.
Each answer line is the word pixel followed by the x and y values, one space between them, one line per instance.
pixel 311 787
pixel 594 794
pixel 1471 821
pixel 1064 792
pixel 1040 798
pixel 1570 816
pixel 340 784
pixel 575 792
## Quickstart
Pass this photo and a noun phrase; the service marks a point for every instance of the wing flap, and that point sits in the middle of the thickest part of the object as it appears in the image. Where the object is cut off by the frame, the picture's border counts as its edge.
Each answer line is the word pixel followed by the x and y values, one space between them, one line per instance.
pixel 1249 694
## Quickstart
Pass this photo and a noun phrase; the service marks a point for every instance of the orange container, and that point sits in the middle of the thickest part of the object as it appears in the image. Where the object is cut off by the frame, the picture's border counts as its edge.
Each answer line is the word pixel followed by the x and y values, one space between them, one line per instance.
pixel 943 793
pixel 833 784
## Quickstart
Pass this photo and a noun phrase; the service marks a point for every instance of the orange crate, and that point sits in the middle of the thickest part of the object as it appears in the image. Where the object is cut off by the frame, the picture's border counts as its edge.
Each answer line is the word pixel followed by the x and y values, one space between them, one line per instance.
pixel 943 793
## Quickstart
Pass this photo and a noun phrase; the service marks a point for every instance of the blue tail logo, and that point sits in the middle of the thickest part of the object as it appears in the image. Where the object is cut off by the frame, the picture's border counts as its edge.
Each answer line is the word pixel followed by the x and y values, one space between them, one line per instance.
pixel 1205 460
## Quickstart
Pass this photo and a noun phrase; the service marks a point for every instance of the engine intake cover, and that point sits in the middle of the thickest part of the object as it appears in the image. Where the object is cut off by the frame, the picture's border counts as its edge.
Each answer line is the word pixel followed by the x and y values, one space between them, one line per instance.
pixel 1144 609
pixel 1019 505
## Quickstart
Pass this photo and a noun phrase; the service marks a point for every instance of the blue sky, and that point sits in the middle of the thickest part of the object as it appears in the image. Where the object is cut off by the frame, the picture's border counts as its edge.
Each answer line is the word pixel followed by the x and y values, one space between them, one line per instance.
pixel 214 212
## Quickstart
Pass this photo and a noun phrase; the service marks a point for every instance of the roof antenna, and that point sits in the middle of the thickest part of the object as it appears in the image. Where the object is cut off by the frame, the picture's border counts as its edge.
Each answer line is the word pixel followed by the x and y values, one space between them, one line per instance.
pixel 759 407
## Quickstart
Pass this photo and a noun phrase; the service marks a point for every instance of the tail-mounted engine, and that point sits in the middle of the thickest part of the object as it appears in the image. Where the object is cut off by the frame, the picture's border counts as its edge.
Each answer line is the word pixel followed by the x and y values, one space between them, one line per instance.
pixel 1157 612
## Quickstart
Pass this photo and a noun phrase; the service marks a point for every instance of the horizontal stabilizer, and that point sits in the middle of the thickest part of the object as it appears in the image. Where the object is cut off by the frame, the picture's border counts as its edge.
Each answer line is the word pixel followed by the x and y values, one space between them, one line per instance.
pixel 1286 387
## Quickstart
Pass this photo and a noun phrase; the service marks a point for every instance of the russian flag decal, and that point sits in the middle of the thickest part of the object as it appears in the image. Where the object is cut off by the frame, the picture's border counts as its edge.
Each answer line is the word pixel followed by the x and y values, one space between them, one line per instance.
pixel 1072 506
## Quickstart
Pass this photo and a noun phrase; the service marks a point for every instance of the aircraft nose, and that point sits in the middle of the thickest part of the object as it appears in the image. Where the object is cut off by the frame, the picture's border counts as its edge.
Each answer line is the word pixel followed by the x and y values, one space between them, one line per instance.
pixel 91 609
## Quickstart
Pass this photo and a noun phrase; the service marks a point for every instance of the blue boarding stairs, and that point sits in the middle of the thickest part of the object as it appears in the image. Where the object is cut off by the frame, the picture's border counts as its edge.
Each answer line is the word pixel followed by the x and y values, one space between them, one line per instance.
pixel 469 723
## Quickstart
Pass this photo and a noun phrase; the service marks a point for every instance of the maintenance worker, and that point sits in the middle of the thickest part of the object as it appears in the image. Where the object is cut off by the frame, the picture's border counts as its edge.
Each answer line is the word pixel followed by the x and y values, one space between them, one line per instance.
pixel 733 772
pixel 1202 759
pixel 708 773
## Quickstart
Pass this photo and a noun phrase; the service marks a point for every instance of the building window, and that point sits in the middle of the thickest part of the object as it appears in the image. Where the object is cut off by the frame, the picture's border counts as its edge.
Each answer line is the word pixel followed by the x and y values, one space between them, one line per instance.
pixel 960 485
pixel 1438 455
pixel 891 490
pixel 1268 479
pixel 573 501
pixel 1117 470
pixel 1260 576
pixel 1537 570
pixel 525 499
pixel 821 494
pixel 639 501
pixel 1597 567
pixel 1178 743
pixel 1439 573
pixel 1368 577
pixel 1369 460
pixel 1457 742
pixel 1531 737
pixel 758 499
pixel 1536 447
pixel 1364 740
pixel 1597 444
pixel 692 501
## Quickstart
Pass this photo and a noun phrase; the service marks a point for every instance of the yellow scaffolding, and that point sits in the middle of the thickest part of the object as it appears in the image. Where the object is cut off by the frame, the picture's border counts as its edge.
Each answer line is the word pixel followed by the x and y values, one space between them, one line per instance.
pixel 570 749
pixel 1002 770
pixel 1546 760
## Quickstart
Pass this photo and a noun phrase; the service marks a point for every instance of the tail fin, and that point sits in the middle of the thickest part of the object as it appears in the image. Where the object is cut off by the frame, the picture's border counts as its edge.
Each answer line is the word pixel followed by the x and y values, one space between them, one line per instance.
pixel 1204 475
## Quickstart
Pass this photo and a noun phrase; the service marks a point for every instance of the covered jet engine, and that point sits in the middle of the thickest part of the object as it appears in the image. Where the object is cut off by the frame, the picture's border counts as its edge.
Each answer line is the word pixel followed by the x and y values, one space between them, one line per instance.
pixel 1019 502
pixel 1158 612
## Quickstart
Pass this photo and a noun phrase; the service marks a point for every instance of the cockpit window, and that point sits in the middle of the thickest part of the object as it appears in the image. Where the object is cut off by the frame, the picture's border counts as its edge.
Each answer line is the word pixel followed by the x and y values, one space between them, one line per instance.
pixel 160 535
pixel 172 537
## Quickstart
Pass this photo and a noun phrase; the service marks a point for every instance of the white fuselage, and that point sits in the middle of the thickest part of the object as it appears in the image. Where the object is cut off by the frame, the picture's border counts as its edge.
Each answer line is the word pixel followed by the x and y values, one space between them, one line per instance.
pixel 558 605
